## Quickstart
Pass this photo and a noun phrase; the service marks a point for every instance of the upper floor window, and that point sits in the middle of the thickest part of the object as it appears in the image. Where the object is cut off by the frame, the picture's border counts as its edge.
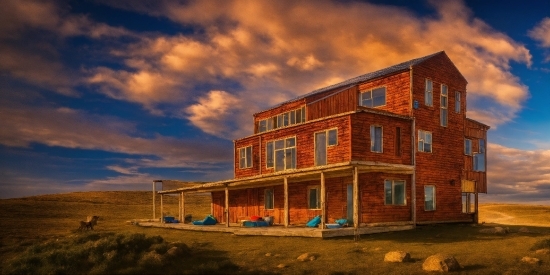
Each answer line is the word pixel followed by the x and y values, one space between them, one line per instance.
pixel 373 98
pixel 479 157
pixel 428 95
pixel 322 141
pixel 468 147
pixel 458 102
pixel 245 157
pixel 281 154
pixel 395 192
pixel 314 197
pixel 424 141
pixel 429 198
pixel 444 105
pixel 376 139
pixel 296 116
pixel 268 199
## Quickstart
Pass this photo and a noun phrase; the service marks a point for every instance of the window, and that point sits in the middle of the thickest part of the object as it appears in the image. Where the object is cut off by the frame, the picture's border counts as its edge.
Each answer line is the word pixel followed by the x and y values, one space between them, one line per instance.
pixel 444 105
pixel 322 141
pixel 281 154
pixel 458 102
pixel 424 141
pixel 398 141
pixel 245 157
pixel 395 192
pixel 268 199
pixel 282 120
pixel 467 202
pixel 428 95
pixel 479 157
pixel 429 198
pixel 376 139
pixel 468 147
pixel 314 197
pixel 373 98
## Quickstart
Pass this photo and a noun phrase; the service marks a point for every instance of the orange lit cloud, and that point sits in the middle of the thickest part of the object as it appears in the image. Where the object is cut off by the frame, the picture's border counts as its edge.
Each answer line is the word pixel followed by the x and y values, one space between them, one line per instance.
pixel 279 50
pixel 507 177
pixel 541 33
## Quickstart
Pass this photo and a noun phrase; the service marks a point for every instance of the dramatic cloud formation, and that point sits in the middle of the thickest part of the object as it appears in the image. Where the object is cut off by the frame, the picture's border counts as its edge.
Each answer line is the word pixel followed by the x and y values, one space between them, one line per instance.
pixel 541 33
pixel 284 51
pixel 515 175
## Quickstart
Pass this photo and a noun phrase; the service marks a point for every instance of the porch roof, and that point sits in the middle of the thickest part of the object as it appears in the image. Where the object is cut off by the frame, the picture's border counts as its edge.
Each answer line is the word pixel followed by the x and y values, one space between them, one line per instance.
pixel 297 175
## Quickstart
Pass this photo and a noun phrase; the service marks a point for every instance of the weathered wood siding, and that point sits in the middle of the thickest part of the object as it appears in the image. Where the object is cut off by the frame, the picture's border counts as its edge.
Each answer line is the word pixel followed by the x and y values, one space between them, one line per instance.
pixel 342 102
pixel 395 149
pixel 305 145
pixel 397 92
pixel 372 206
pixel 475 131
pixel 442 167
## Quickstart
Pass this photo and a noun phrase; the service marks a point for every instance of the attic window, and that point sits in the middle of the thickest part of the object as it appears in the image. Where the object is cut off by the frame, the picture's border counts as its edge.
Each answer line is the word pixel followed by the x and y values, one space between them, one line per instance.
pixel 373 98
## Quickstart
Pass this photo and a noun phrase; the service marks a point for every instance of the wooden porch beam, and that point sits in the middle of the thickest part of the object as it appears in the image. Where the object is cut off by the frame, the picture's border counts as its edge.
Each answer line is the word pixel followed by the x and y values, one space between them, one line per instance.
pixel 285 214
pixel 227 206
pixel 323 204
pixel 154 195
pixel 161 208
pixel 182 219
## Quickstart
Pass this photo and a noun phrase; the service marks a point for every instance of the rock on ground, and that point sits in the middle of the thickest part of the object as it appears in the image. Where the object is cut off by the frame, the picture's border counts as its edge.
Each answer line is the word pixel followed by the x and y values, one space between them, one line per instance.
pixel 495 230
pixel 545 251
pixel 441 262
pixel 524 230
pixel 530 260
pixel 281 266
pixel 306 257
pixel 397 257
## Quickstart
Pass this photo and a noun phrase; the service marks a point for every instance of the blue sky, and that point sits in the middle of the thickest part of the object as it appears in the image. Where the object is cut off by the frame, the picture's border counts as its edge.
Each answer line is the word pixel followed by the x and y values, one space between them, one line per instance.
pixel 109 95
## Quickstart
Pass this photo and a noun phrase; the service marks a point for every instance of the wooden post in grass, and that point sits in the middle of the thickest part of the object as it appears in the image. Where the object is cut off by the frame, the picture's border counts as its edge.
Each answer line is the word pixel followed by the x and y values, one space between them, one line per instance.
pixel 154 195
pixel 323 206
pixel 285 214
pixel 355 198
pixel 226 206
pixel 182 218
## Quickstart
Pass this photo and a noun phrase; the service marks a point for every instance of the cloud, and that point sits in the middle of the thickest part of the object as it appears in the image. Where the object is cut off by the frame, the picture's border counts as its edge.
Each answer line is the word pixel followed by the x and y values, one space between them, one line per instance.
pixel 289 48
pixel 71 128
pixel 516 175
pixel 541 33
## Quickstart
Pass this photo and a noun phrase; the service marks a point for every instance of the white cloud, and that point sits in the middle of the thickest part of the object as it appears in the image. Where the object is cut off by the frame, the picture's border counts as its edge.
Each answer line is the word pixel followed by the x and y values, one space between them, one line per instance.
pixel 541 33
pixel 291 48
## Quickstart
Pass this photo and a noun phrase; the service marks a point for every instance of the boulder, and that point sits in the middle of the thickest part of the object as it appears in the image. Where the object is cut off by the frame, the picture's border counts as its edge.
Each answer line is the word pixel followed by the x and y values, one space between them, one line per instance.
pixel 281 266
pixel 397 257
pixel 306 257
pixel 441 262
pixel 268 254
pixel 544 251
pixel 530 260
pixel 495 230
pixel 524 230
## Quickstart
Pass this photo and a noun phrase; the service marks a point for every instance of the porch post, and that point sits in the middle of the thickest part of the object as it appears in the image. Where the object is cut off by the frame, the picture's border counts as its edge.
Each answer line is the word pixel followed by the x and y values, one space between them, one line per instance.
pixel 226 206
pixel 182 219
pixel 286 216
pixel 355 198
pixel 179 207
pixel 323 205
pixel 154 195
pixel 476 214
pixel 161 208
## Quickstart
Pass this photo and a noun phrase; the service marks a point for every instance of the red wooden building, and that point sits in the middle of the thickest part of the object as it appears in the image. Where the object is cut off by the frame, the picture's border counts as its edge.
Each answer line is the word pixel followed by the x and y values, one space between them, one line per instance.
pixel 391 147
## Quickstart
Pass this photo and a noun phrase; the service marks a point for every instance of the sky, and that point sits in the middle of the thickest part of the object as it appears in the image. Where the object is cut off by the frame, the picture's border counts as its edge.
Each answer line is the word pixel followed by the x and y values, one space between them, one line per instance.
pixel 111 95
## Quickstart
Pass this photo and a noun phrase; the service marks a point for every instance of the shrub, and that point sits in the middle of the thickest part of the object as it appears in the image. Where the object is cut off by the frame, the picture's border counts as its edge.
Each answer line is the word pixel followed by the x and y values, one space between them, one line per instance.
pixel 541 244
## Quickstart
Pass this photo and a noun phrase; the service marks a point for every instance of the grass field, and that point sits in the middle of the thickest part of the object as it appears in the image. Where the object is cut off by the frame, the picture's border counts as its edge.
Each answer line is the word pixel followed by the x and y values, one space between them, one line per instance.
pixel 40 232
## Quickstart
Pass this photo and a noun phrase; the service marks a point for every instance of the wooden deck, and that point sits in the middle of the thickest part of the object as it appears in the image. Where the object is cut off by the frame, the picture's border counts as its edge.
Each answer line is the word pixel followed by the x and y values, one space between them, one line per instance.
pixel 278 230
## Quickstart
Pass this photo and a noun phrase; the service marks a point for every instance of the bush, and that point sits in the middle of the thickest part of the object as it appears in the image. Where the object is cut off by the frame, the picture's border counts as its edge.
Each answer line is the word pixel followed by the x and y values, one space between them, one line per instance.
pixel 541 244
pixel 94 253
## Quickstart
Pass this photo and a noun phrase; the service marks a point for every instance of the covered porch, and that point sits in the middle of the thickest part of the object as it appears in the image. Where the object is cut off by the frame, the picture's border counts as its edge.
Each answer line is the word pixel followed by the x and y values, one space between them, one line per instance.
pixel 285 181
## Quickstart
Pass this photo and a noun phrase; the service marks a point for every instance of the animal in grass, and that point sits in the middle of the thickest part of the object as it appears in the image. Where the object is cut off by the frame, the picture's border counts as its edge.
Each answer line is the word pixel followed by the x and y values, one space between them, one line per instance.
pixel 89 223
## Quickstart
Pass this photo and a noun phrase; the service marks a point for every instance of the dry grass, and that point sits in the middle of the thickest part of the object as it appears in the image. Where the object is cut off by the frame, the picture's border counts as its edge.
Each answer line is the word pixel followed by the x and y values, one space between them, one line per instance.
pixel 36 220
pixel 515 214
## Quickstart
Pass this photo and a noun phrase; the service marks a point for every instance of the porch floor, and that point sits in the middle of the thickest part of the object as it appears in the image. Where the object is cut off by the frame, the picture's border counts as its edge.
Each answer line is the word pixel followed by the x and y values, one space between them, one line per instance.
pixel 278 230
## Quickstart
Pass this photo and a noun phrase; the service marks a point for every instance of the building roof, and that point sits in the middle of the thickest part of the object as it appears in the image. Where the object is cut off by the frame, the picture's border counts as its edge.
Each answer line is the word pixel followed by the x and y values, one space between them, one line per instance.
pixel 366 77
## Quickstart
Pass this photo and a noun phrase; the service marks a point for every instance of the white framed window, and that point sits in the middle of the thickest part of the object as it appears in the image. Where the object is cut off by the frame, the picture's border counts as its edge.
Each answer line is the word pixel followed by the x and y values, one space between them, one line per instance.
pixel 468 147
pixel 373 98
pixel 424 141
pixel 314 197
pixel 428 94
pixel 245 157
pixel 479 157
pixel 269 199
pixel 281 154
pixel 376 138
pixel 282 120
pixel 322 141
pixel 429 198
pixel 458 102
pixel 394 191
pixel 444 113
